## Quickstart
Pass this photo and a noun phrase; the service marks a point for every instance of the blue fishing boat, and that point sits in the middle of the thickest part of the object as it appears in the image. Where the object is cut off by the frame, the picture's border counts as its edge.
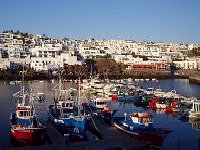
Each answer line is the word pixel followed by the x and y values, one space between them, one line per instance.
pixel 66 113
pixel 140 126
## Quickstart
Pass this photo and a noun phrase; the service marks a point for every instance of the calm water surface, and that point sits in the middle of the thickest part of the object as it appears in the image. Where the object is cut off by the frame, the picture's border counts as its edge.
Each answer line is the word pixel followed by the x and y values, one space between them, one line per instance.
pixel 183 134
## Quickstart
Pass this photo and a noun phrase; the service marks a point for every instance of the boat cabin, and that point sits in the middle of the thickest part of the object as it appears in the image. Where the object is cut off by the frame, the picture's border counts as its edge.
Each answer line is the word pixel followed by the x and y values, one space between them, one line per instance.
pixel 100 103
pixel 25 111
pixel 65 104
pixel 142 119
pixel 150 91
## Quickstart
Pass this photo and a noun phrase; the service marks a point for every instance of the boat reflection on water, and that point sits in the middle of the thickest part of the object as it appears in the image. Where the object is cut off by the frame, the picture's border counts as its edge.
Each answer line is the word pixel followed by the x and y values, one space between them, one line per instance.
pixel 173 114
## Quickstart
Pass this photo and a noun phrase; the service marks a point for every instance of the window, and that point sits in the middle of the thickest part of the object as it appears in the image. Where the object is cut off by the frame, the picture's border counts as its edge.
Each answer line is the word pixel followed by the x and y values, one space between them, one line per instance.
pixel 25 113
pixel 63 104
pixel 21 113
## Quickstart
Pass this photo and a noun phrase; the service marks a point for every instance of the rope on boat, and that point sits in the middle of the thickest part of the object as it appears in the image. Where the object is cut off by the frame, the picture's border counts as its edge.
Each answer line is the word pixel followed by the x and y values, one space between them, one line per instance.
pixel 92 117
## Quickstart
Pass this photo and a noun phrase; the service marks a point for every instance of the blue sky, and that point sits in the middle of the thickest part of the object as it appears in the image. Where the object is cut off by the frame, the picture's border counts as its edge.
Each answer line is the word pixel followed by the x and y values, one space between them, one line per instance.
pixel 150 20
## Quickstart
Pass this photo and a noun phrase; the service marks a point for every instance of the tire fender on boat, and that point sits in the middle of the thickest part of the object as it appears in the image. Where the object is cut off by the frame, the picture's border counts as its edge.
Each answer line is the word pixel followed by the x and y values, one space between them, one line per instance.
pixel 76 130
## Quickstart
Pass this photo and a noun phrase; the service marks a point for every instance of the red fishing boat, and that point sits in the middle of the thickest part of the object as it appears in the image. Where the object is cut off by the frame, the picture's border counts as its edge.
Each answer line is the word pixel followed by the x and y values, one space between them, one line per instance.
pixel 25 127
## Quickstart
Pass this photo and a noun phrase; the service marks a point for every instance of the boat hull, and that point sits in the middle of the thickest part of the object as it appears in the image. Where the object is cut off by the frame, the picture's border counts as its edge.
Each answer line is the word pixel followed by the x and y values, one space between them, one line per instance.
pixel 31 136
pixel 152 136
pixel 72 125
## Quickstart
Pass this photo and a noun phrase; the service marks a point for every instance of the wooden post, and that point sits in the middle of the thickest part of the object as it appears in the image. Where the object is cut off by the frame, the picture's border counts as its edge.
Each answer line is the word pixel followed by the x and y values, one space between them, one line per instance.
pixel 66 138
pixel 199 143
pixel 178 145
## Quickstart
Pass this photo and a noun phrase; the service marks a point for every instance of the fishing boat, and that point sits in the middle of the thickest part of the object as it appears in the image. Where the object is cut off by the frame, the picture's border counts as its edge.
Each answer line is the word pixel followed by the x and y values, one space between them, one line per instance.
pixel 15 82
pixel 140 126
pixel 150 91
pixel 107 114
pixel 142 100
pixel 25 127
pixel 66 113
pixel 136 122
pixel 194 113
pixel 143 119
pixel 161 105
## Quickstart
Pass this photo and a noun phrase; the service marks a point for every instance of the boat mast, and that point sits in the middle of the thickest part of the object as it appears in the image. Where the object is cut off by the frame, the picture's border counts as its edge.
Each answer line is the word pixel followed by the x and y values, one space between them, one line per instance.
pixel 57 93
pixel 60 86
pixel 91 70
pixel 79 95
pixel 31 102
pixel 23 92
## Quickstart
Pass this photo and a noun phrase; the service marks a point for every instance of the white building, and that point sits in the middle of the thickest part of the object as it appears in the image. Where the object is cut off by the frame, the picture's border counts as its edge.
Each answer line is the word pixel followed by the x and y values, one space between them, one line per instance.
pixel 127 59
pixel 186 64
pixel 46 56
pixel 14 63
pixel 88 51
pixel 46 63
pixel 70 59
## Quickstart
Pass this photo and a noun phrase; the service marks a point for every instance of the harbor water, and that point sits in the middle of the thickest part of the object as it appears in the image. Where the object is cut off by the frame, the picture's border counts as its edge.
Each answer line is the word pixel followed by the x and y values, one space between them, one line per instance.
pixel 184 135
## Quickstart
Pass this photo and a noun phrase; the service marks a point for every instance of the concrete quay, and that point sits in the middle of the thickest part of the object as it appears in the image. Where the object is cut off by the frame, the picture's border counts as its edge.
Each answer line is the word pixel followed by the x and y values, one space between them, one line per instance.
pixel 194 80
pixel 112 139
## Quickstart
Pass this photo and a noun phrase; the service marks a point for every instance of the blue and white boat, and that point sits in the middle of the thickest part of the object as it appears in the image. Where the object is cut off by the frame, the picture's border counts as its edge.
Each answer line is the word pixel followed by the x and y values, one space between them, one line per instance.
pixel 140 126
pixel 66 112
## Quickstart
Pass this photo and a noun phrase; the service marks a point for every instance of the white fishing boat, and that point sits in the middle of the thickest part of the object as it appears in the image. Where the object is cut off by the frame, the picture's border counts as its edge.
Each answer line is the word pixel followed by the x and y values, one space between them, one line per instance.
pixel 137 80
pixel 150 91
pixel 100 102
pixel 15 82
pixel 153 79
pixel 161 105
